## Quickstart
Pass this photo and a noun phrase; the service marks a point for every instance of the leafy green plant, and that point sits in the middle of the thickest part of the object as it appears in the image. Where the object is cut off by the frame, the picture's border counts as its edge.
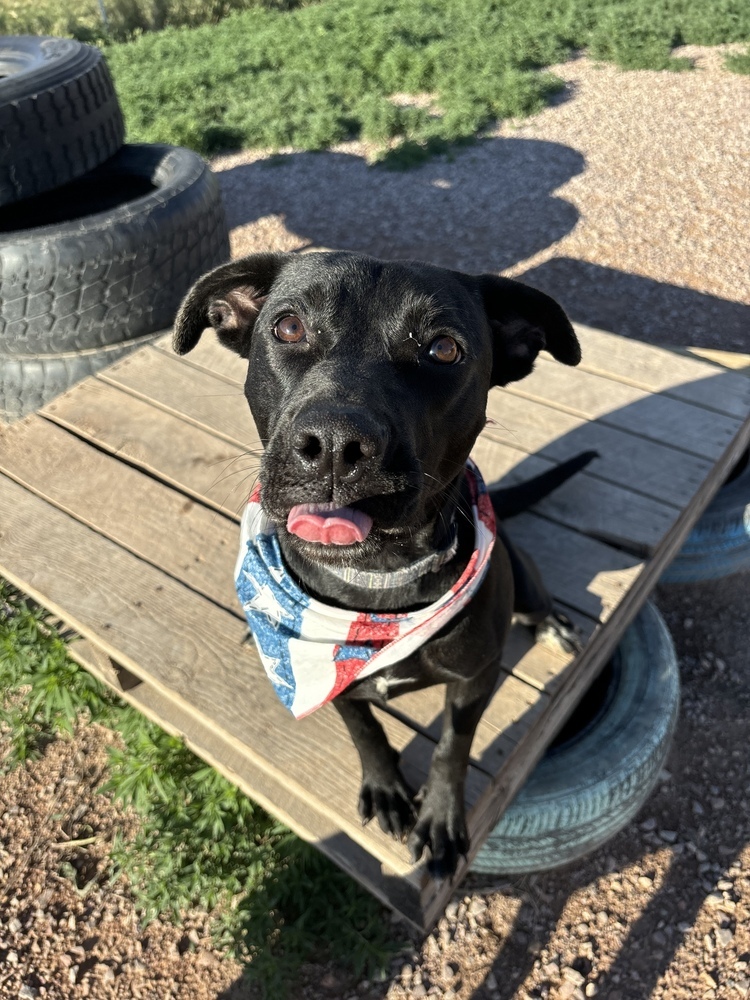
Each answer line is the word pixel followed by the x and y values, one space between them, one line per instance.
pixel 44 690
pixel 201 842
pixel 315 75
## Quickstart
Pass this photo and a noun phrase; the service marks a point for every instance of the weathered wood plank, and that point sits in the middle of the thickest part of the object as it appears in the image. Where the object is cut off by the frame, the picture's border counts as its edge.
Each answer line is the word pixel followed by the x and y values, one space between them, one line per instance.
pixel 302 817
pixel 210 356
pixel 630 460
pixel 661 370
pixel 544 664
pixel 196 461
pixel 582 573
pixel 662 418
pixel 734 360
pixel 187 540
pixel 585 502
pixel 208 401
pixel 192 652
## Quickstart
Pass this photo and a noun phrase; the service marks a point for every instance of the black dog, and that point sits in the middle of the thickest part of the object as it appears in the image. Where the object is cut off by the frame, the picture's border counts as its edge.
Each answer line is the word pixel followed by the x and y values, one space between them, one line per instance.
pixel 368 384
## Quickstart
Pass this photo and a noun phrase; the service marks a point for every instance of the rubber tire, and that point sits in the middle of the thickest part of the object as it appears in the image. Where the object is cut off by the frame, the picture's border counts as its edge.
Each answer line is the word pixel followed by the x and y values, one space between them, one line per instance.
pixel 120 273
pixel 591 786
pixel 59 114
pixel 719 544
pixel 27 383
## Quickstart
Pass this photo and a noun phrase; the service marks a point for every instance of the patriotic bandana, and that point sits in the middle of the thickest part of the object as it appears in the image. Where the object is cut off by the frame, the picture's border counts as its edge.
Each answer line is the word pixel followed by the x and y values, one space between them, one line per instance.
pixel 312 652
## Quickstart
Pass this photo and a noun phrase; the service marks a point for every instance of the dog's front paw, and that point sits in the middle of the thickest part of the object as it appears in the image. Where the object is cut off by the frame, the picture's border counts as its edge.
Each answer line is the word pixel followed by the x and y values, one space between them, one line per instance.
pixel 441 826
pixel 558 631
pixel 391 801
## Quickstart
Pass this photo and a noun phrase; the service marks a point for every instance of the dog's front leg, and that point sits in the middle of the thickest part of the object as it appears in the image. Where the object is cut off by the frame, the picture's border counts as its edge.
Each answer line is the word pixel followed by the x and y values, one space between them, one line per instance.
pixel 384 792
pixel 441 822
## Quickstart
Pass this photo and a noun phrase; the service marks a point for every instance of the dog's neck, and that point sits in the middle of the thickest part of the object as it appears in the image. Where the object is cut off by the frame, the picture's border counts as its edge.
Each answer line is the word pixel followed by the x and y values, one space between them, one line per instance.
pixel 407 574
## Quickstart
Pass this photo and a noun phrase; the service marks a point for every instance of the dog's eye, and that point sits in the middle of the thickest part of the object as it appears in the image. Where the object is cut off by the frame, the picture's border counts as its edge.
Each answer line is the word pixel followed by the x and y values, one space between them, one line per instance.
pixel 445 351
pixel 290 330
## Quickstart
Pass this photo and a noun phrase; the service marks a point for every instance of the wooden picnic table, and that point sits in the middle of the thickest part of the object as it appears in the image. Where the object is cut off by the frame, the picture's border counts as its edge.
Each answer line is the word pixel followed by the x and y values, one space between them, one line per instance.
pixel 119 511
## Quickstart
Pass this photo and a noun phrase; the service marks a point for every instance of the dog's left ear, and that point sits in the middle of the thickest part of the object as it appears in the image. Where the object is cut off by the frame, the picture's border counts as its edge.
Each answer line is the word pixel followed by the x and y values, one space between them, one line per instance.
pixel 523 322
pixel 229 299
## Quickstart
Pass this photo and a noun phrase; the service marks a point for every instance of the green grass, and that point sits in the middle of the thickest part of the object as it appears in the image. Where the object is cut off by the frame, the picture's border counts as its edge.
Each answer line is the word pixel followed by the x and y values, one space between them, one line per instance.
pixel 201 842
pixel 310 77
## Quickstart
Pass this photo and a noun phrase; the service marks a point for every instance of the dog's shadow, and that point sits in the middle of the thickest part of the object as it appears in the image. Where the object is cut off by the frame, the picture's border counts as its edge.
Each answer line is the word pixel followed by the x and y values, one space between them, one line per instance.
pixel 483 208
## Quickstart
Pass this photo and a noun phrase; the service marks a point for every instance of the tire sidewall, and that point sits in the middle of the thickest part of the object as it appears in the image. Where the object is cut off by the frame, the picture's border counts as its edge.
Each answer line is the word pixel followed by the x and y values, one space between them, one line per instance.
pixel 116 274
pixel 584 792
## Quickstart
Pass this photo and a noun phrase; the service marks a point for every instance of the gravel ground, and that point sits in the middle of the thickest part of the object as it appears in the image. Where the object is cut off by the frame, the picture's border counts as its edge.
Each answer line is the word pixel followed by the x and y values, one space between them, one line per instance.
pixel 627 201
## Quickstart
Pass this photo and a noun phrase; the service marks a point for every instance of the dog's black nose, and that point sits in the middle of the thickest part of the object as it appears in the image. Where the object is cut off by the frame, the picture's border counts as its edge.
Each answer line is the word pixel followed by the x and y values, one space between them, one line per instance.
pixel 340 444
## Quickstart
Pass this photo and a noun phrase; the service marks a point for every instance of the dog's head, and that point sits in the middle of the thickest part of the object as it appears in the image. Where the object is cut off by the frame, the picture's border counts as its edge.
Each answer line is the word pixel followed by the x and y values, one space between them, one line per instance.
pixel 368 382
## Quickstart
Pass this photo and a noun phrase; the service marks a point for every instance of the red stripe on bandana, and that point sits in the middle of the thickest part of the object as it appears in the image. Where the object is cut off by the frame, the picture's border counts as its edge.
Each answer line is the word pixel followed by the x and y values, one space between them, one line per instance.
pixel 372 629
pixel 347 671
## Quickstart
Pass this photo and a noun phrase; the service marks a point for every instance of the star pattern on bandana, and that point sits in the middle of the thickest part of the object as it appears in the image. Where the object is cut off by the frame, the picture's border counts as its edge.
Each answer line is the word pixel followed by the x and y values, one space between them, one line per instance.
pixel 264 601
pixel 271 665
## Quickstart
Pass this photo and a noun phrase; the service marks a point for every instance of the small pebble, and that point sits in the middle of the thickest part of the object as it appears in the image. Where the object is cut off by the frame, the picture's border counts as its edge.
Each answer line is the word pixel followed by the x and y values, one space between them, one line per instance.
pixel 723 937
pixel 645 882
pixel 573 976
pixel 569 991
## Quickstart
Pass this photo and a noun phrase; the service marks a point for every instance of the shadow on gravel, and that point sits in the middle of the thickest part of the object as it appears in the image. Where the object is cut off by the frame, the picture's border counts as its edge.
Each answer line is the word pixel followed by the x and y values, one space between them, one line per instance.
pixel 485 208
pixel 633 306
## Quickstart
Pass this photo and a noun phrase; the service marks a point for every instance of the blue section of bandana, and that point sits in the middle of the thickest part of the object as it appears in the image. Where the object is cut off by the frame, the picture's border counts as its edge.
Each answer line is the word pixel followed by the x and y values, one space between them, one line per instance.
pixel 360 652
pixel 274 607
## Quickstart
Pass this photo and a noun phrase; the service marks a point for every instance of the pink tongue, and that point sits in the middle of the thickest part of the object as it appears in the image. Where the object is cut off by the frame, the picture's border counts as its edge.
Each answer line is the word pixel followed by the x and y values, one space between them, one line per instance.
pixel 328 524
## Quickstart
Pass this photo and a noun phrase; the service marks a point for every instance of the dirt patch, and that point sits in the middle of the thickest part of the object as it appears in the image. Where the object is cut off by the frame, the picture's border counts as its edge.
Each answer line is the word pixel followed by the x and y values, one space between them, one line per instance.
pixel 66 930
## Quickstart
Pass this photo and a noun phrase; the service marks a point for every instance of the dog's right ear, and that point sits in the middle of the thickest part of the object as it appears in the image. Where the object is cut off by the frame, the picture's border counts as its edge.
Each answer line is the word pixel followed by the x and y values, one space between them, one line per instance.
pixel 229 299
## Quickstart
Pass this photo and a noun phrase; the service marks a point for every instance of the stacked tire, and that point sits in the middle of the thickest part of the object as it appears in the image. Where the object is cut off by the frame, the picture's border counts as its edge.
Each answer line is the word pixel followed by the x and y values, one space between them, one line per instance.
pixel 99 240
